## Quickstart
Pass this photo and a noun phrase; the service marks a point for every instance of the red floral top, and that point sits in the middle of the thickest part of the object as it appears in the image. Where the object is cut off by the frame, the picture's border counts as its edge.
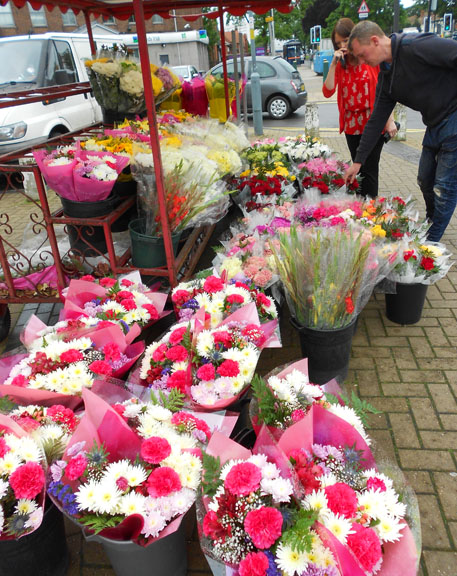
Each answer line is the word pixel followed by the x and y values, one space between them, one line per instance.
pixel 356 95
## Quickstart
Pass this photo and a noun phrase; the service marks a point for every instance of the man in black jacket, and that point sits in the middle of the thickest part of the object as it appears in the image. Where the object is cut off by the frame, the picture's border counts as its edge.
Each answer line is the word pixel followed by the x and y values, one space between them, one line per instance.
pixel 419 71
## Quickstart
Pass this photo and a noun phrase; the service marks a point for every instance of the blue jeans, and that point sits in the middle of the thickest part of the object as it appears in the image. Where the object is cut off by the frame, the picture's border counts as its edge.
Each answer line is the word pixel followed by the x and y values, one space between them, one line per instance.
pixel 437 177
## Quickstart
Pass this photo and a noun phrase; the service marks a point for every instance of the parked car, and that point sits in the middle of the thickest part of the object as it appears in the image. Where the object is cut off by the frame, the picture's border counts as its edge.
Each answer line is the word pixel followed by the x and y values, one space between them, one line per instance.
pixel 281 86
pixel 186 72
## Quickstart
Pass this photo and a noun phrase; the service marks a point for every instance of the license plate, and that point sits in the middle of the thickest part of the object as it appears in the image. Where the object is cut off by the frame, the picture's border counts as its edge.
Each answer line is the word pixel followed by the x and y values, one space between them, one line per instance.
pixel 302 87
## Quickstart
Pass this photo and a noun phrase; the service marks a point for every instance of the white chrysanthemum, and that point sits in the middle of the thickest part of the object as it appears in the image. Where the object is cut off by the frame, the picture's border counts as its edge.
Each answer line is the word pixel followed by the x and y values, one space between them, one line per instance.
pixel 132 503
pixel 270 471
pixel 4 485
pixel 201 395
pixel 181 501
pixel 25 506
pixel 279 488
pixel 340 527
pixel 328 479
pixel 52 432
pixel 205 343
pixel 107 497
pixel 290 561
pixel 163 505
pixel 118 469
pixel 132 410
pixel 157 412
pixel 154 523
pixel 9 463
pixel 389 528
pixel 184 365
pixel 259 460
pixel 86 496
pixel 204 300
pixel 238 384
pixel 317 501
pixel 349 415
pixel 213 505
pixel 35 519
pixel 135 475
pixel 372 503
pixel 132 316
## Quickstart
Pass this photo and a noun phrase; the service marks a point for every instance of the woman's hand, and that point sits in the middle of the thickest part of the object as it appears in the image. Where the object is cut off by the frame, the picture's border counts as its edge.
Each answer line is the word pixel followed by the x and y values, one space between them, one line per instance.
pixel 338 56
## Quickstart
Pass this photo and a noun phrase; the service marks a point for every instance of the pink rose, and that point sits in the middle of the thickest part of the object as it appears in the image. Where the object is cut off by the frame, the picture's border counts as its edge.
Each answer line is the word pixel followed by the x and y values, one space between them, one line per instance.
pixel 263 526
pixel 243 479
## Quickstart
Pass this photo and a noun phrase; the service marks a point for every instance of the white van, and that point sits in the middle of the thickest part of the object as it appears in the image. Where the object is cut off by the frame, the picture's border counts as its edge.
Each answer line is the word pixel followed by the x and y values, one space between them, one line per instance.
pixel 42 60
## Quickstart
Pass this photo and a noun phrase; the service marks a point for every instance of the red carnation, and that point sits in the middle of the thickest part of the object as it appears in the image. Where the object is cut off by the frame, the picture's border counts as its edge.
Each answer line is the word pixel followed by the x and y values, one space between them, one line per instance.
pixel 341 499
pixel 212 528
pixel 128 304
pixel 27 481
pixel 71 356
pixel 229 369
pixel 206 372
pixel 180 297
pixel 162 482
pixel 178 380
pixel 223 337
pixel 243 479
pixel 177 354
pixel 155 449
pixel 107 282
pixel 213 284
pixel 427 263
pixel 254 564
pixel 365 545
pixel 76 467
pixel 101 368
pixel 263 526
pixel 235 299
pixel 177 335
pixel 152 310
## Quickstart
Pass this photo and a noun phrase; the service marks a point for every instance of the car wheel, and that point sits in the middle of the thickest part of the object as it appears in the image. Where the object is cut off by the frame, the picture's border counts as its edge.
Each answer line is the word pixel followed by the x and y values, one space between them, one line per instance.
pixel 278 107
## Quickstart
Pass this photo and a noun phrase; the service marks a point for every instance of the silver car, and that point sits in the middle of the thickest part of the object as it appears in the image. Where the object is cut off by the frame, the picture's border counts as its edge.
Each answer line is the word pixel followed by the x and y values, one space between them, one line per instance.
pixel 185 71
pixel 282 88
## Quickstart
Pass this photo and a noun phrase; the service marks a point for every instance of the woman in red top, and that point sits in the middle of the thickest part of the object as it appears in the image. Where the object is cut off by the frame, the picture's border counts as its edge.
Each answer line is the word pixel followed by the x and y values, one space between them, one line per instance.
pixel 356 95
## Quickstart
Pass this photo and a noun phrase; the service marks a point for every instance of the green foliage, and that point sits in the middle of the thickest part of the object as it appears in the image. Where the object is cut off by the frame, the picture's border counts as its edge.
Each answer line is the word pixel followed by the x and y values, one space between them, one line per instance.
pixel 53 449
pixel 298 534
pixel 203 274
pixel 360 407
pixel 211 472
pixel 7 404
pixel 270 410
pixel 98 523
pixel 173 402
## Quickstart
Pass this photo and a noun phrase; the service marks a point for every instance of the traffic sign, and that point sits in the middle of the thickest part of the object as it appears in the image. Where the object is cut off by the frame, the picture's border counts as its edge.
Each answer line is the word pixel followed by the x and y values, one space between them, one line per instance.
pixel 363 10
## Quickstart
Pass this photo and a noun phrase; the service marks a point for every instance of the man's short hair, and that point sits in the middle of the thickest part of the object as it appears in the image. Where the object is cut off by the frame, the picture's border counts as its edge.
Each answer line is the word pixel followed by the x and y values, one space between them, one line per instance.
pixel 363 31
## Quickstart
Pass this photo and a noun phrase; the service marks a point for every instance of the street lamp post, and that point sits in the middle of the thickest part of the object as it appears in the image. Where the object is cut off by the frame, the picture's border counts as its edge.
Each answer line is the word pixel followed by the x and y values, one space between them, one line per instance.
pixel 255 84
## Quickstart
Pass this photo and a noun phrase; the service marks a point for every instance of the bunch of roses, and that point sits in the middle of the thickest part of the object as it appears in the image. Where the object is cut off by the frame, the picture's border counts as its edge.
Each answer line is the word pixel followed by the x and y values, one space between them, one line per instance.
pixel 327 213
pixel 50 426
pixel 358 506
pixel 66 367
pixel 150 419
pixel 263 185
pixel 326 174
pixel 421 263
pixel 125 302
pixel 100 489
pixel 249 518
pixel 393 218
pixel 220 298
pixel 22 485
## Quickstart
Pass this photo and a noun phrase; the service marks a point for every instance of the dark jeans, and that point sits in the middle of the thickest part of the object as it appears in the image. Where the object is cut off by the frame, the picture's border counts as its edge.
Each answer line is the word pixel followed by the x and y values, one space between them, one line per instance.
pixel 437 177
pixel 369 171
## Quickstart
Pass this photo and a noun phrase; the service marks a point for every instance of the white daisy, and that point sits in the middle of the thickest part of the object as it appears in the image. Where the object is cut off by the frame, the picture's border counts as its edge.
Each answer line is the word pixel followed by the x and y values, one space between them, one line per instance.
pixel 132 503
pixel 107 497
pixel 389 528
pixel 290 561
pixel 340 527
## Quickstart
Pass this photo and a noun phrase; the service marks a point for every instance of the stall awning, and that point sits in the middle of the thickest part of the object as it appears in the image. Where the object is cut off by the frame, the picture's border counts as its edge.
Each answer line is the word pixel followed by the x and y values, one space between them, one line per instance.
pixel 123 10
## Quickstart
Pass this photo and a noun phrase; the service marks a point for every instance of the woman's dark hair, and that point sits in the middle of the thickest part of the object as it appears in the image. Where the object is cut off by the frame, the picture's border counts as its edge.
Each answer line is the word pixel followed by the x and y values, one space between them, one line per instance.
pixel 343 28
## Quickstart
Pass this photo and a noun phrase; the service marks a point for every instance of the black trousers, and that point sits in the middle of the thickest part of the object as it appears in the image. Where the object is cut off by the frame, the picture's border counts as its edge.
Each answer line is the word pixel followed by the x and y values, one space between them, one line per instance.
pixel 369 171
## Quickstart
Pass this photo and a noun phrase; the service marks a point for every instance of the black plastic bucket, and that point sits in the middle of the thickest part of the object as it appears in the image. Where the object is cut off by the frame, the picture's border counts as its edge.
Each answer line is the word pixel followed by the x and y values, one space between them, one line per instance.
pixel 113 116
pixel 41 553
pixel 405 307
pixel 328 351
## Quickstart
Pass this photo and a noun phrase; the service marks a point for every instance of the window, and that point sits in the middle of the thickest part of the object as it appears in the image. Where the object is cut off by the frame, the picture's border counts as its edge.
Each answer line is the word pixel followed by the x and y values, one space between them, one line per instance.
pixel 108 20
pixel 38 17
pixel 265 70
pixel 6 17
pixel 69 18
pixel 60 60
pixel 156 19
pixel 164 59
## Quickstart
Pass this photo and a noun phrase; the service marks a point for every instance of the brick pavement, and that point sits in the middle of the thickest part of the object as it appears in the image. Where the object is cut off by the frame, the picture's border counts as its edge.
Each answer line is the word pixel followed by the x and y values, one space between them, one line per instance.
pixel 408 372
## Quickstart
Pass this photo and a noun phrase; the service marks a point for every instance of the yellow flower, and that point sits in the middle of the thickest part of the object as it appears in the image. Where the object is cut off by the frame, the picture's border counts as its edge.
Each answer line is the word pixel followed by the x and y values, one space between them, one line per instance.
pixel 435 251
pixel 377 230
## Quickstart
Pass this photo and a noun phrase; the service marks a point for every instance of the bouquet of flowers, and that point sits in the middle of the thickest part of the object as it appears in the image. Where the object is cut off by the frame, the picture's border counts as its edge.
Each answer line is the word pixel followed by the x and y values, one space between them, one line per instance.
pixel 212 366
pixel 330 211
pixel 329 274
pixel 22 481
pixel 126 301
pixel 127 477
pixel 302 148
pixel 219 298
pixel 215 91
pixel 252 523
pixel 326 174
pixel 265 156
pixel 419 263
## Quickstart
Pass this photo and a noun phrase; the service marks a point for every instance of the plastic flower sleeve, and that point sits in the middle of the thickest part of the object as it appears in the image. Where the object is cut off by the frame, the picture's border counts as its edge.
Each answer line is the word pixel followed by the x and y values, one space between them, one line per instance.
pixel 59 177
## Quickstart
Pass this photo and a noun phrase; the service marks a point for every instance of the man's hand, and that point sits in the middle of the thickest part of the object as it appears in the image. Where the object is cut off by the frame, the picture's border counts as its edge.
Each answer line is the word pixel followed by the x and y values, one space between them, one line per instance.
pixel 352 172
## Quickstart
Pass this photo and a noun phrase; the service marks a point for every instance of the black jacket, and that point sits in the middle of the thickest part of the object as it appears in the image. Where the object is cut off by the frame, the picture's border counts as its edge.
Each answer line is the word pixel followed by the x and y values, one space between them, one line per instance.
pixel 422 76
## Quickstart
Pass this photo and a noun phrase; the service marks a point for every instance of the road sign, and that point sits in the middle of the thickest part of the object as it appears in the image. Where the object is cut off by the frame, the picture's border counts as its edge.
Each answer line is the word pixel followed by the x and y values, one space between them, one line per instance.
pixel 363 10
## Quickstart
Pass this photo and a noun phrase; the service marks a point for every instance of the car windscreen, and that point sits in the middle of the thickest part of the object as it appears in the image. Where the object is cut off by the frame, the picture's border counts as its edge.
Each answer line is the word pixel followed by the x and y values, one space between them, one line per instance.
pixel 181 71
pixel 20 61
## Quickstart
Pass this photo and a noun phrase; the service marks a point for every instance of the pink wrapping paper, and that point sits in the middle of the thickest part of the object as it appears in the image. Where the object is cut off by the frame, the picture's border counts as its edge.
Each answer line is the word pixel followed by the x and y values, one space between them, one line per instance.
pixel 7 363
pixel 59 178
pixel 226 449
pixel 400 558
pixel 194 97
pixel 30 282
pixel 347 564
pixel 91 190
pixel 41 397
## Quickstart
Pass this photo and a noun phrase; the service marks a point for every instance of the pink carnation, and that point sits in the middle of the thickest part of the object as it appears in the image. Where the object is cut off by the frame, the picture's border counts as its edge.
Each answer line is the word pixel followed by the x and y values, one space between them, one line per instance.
pixel 263 526
pixel 235 299
pixel 374 483
pixel 27 481
pixel 124 295
pixel 152 310
pixel 111 352
pixel 88 278
pixel 298 415
pixel 222 337
pixel 159 353
pixel 206 372
pixel 229 369
pixel 178 380
pixel 100 367
pixel 177 335
pixel 128 304
pixel 76 467
pixel 162 482
pixel 243 479
pixel 341 499
pixel 213 284
pixel 71 356
pixel 4 448
pixel 262 277
pixel 177 354
pixel 365 545
pixel 107 282
pixel 20 380
pixel 155 449
pixel 125 282
pixel 180 297
pixel 254 564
